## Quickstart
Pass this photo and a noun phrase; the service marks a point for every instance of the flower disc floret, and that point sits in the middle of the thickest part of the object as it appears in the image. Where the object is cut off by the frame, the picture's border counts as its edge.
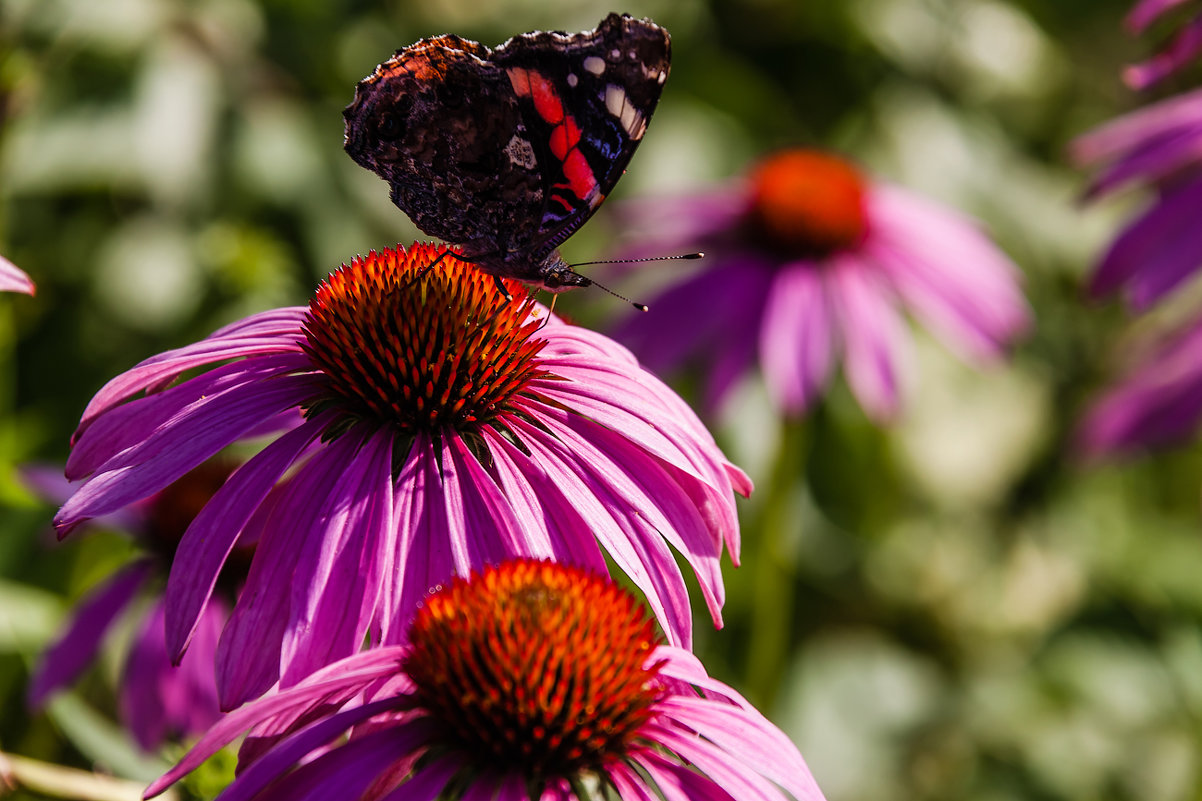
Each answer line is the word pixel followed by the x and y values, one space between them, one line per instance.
pixel 535 665
pixel 421 346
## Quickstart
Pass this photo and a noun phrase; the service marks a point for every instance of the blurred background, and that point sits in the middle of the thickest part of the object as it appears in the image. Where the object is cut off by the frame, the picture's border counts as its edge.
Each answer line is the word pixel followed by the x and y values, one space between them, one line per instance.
pixel 950 607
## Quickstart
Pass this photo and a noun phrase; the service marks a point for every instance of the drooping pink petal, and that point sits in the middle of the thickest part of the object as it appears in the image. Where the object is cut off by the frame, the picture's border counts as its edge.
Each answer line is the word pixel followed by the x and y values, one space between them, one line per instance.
pixel 678 782
pixel 196 434
pixel 1156 252
pixel 274 332
pixel 13 279
pixel 211 535
pixel 251 653
pixel 1178 54
pixel 1129 132
pixel 629 784
pixel 798 341
pixel 873 336
pixel 159 700
pixel 50 485
pixel 716 764
pixel 346 773
pixel 538 501
pixel 1153 160
pixel 334 594
pixel 76 647
pixel 1145 12
pixel 680 223
pixel 961 286
pixel 627 536
pixel 477 511
pixel 129 425
pixel 1157 404
pixel 428 782
pixel 424 553
pixel 743 733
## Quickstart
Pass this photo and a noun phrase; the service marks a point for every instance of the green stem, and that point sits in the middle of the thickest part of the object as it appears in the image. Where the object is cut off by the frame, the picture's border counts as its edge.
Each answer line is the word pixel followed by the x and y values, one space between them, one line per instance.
pixel 63 782
pixel 772 599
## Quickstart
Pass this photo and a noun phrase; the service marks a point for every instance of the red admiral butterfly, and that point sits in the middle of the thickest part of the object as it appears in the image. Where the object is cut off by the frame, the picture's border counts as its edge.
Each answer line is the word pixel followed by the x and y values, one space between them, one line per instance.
pixel 507 152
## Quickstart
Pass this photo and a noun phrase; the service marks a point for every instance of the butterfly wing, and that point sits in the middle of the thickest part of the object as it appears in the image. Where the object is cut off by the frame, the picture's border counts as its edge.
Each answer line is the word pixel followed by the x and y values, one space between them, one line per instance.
pixel 439 122
pixel 586 98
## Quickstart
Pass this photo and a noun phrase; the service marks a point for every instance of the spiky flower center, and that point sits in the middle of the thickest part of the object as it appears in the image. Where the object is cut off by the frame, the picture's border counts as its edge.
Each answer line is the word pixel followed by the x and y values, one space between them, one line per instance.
pixel 535 666
pixel 807 204
pixel 418 344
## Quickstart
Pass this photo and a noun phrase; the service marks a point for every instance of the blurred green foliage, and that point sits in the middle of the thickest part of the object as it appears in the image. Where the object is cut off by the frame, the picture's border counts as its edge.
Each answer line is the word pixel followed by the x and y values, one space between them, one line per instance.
pixel 950 608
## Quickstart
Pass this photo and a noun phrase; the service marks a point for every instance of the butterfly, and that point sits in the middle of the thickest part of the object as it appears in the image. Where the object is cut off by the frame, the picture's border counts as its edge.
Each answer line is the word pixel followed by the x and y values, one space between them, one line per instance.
pixel 505 152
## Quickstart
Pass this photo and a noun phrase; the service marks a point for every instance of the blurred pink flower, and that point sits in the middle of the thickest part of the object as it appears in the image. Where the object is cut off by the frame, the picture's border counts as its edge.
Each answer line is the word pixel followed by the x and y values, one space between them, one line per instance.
pixel 1157 403
pixel 157 701
pixel 12 279
pixel 428 425
pixel 1182 50
pixel 1160 146
pixel 808 261
pixel 530 681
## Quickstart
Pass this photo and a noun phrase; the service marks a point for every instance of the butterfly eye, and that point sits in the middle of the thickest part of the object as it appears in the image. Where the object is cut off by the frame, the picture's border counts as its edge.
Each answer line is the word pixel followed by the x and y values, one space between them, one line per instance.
pixel 388 127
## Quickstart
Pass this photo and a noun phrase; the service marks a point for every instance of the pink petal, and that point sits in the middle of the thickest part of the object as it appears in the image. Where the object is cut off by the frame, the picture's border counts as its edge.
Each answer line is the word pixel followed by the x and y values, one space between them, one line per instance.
pixel 873 336
pixel 275 332
pixel 428 782
pixel 250 656
pixel 536 498
pixel 955 279
pixel 1179 53
pixel 1158 251
pixel 333 681
pixel 797 337
pixel 1129 132
pixel 635 547
pixel 79 641
pixel 1145 12
pixel 195 435
pixel 333 592
pixel 13 279
pixel 211 536
pixel 422 555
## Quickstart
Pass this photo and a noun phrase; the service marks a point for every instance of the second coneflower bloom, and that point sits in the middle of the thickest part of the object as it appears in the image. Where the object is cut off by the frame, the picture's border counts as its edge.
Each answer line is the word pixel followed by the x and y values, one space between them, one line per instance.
pixel 808 262
pixel 427 425
pixel 531 680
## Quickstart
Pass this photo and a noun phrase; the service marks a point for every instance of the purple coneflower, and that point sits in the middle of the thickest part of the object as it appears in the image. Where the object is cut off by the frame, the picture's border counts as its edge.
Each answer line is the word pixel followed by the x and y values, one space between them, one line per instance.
pixel 1159 145
pixel 157 701
pixel 1182 50
pixel 428 425
pixel 1158 403
pixel 531 680
pixel 808 260
pixel 12 279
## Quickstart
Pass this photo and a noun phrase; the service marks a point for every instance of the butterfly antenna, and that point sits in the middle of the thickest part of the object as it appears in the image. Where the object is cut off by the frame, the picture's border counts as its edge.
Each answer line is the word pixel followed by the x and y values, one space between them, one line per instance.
pixel 636 304
pixel 685 256
pixel 639 306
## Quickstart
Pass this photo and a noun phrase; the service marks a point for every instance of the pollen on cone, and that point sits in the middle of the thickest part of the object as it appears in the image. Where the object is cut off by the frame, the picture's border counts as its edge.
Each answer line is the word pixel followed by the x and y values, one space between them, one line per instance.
pixel 420 342
pixel 535 664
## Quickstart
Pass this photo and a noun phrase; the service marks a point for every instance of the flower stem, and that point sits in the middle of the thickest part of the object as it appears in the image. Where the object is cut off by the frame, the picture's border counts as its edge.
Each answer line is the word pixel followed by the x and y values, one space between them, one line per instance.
pixel 772 602
pixel 63 782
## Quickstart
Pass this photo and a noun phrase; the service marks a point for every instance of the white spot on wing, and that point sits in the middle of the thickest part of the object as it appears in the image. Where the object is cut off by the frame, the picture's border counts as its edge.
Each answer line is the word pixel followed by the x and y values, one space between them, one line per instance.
pixel 615 54
pixel 615 99
pixel 595 65
pixel 521 153
pixel 572 79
